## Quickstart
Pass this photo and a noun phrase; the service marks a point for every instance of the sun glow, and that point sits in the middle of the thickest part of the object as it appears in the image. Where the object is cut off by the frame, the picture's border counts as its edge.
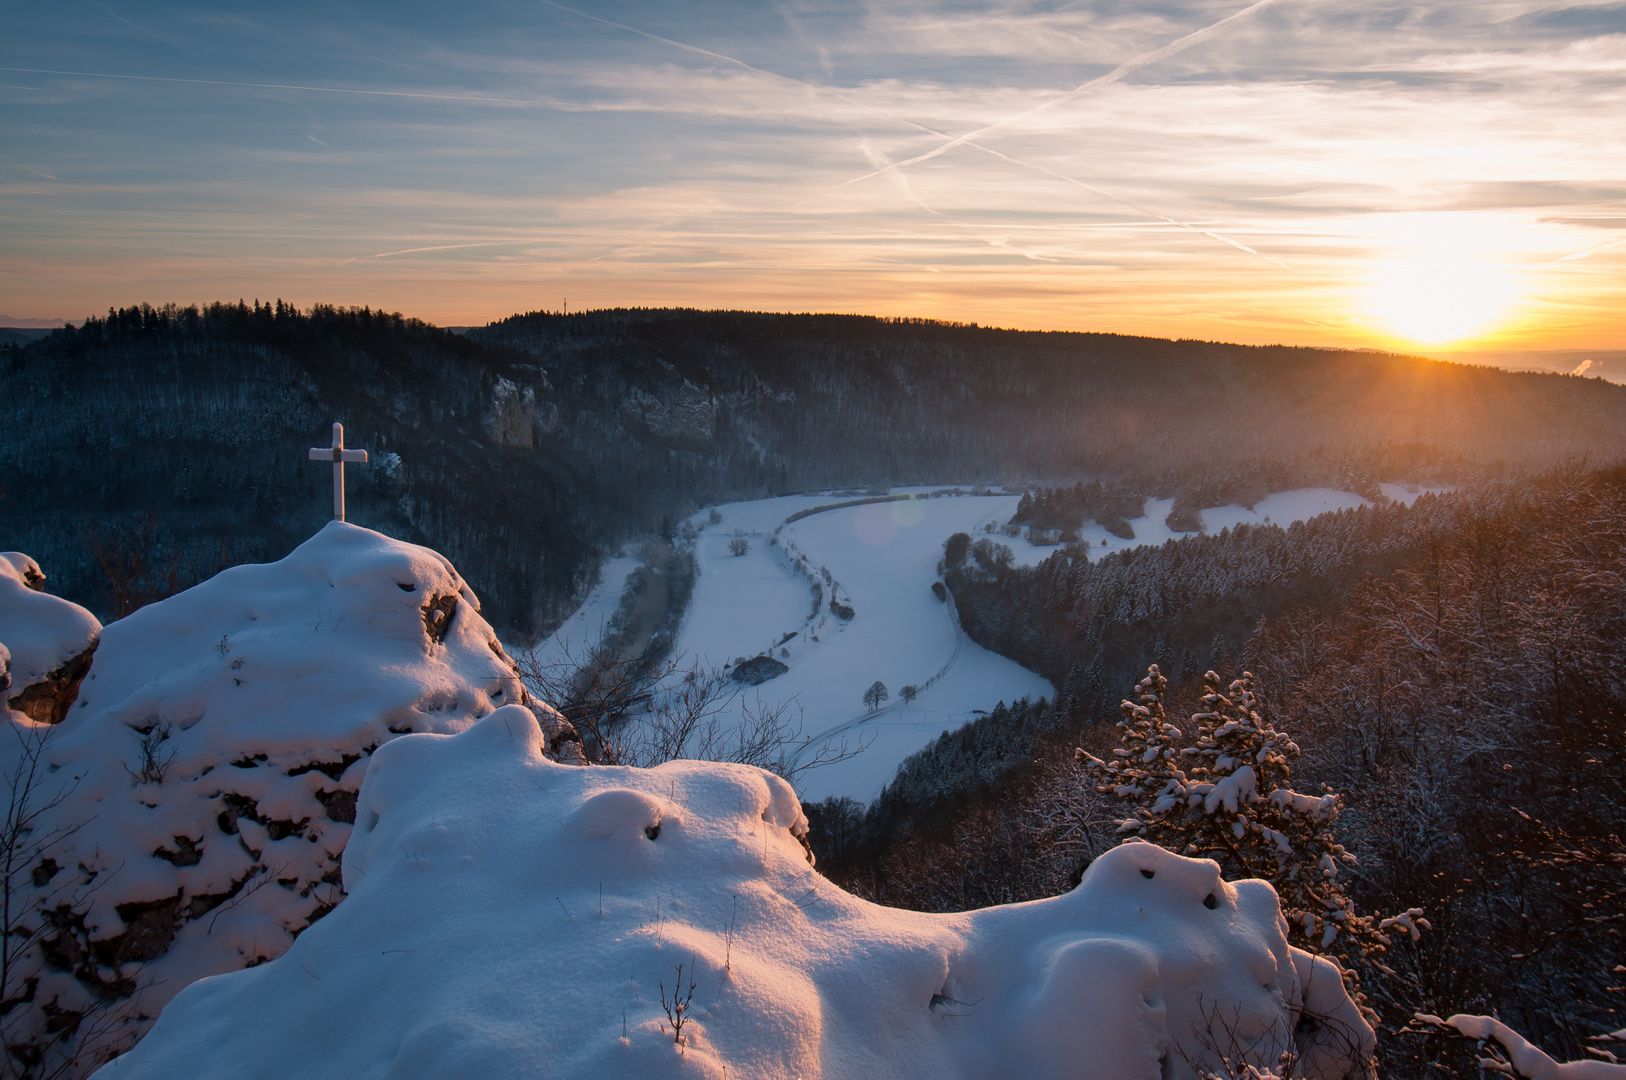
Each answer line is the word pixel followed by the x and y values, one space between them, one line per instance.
pixel 1441 284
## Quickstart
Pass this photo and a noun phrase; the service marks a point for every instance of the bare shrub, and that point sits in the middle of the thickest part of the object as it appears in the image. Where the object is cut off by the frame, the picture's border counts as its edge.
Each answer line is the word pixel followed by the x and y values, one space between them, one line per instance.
pixel 55 1040
pixel 634 711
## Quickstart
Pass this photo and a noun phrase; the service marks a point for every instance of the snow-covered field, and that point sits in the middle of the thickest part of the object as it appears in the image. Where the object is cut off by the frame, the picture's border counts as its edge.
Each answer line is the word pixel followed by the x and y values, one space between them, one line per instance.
pixel 587 626
pixel 882 559
pixel 1281 508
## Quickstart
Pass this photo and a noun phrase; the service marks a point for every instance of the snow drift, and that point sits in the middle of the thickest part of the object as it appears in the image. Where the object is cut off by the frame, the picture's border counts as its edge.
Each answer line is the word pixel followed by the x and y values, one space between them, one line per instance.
pixel 509 916
pixel 205 780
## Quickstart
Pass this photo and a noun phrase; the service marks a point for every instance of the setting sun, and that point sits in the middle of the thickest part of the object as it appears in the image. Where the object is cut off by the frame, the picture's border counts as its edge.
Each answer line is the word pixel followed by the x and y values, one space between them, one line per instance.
pixel 1440 299
pixel 1440 287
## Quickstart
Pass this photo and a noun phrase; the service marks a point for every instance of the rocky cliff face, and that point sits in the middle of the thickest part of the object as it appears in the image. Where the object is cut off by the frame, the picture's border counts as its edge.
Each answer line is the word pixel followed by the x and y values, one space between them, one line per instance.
pixel 197 797
pixel 512 418
pixel 684 418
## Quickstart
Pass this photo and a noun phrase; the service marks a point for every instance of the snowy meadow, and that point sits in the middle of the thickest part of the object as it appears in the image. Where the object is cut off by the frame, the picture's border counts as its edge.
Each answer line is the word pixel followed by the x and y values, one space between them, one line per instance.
pixel 838 591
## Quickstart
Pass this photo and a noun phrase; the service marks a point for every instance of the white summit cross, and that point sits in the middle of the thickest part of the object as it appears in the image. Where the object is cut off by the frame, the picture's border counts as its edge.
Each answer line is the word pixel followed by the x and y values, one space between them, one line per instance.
pixel 338 455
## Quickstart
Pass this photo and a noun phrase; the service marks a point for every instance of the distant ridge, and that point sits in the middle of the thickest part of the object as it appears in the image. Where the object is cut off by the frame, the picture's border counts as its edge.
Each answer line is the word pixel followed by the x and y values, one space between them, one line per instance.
pixel 521 449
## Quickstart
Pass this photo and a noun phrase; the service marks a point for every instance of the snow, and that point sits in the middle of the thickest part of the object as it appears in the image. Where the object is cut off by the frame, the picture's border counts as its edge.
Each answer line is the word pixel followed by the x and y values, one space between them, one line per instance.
pixel 1528 1060
pixel 1282 508
pixel 588 624
pixel 1409 493
pixel 744 604
pixel 258 696
pixel 882 560
pixel 512 917
pixel 41 631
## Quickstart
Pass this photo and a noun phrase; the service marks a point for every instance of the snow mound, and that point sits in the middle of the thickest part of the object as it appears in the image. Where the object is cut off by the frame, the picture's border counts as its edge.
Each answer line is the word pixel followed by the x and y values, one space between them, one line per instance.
pixel 50 640
pixel 208 773
pixel 512 917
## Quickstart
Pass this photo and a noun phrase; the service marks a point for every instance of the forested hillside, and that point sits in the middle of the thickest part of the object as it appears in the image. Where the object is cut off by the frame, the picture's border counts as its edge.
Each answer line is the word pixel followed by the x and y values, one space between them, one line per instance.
pixel 1454 670
pixel 144 450
pixel 163 445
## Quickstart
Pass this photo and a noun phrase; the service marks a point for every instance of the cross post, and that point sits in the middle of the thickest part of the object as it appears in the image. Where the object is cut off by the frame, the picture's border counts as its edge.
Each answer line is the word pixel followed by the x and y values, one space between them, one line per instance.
pixel 338 455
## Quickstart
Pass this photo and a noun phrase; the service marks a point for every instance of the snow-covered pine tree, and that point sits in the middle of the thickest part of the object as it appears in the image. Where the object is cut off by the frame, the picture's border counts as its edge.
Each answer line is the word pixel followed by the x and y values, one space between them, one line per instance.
pixel 1228 797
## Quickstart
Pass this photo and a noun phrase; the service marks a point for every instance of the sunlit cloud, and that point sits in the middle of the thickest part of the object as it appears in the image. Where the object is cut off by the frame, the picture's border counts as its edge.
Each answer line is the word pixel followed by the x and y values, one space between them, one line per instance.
pixel 1281 176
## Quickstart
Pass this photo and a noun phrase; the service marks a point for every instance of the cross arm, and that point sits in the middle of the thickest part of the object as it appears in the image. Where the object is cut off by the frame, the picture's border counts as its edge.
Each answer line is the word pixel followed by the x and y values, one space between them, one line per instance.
pixel 324 453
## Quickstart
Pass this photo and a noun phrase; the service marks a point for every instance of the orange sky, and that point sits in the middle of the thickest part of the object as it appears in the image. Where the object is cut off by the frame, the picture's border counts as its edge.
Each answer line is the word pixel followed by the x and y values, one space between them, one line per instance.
pixel 1440 177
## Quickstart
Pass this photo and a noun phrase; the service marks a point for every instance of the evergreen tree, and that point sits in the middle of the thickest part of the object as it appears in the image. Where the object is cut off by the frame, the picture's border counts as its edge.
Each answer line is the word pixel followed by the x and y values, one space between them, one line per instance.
pixel 1227 796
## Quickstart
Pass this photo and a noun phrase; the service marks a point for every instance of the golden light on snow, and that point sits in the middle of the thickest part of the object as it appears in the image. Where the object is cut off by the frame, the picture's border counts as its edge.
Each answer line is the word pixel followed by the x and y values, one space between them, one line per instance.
pixel 1442 284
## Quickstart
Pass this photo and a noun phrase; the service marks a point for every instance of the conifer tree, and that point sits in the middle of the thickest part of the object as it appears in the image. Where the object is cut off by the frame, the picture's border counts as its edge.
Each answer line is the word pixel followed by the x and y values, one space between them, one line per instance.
pixel 1228 796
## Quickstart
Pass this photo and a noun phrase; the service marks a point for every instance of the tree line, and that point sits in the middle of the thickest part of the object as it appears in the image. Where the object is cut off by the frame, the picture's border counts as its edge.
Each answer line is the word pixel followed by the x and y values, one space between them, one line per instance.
pixel 525 448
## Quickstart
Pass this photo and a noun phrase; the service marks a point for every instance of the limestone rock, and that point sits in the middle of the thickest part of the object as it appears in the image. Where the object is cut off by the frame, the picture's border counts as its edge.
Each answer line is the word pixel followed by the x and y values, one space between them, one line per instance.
pixel 50 639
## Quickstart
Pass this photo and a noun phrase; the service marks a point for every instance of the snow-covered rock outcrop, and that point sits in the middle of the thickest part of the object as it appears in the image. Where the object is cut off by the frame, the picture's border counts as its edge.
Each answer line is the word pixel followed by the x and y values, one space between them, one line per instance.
pixel 207 774
pixel 512 917
pixel 50 640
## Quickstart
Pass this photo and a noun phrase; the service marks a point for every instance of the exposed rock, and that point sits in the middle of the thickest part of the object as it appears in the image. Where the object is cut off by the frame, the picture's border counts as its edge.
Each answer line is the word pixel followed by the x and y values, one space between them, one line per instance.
pixel 51 641
pixel 438 612
pixel 564 742
pixel 208 773
pixel 511 420
pixel 685 418
pixel 48 701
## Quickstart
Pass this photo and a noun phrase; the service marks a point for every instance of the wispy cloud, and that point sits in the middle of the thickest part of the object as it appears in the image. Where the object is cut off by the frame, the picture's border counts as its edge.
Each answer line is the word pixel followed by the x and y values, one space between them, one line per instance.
pixel 463 99
pixel 1244 173
pixel 1128 67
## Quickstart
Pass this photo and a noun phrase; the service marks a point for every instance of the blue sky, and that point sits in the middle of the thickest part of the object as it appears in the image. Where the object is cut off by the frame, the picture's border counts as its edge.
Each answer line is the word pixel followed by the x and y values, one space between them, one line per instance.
pixel 1317 171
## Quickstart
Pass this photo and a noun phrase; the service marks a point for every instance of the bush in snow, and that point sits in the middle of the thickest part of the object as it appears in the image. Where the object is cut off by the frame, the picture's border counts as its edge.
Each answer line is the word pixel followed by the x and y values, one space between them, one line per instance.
pixel 512 917
pixel 739 546
pixel 1228 796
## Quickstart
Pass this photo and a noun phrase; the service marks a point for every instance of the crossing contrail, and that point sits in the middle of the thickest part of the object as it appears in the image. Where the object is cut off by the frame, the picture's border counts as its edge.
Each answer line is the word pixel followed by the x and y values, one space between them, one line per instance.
pixel 1196 37
pixel 1125 202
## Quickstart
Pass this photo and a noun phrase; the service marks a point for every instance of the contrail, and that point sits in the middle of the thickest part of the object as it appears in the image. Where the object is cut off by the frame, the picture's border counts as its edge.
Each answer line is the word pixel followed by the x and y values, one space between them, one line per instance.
pixel 669 41
pixel 1583 254
pixel 1123 69
pixel 1129 66
pixel 476 99
pixel 440 247
pixel 1125 202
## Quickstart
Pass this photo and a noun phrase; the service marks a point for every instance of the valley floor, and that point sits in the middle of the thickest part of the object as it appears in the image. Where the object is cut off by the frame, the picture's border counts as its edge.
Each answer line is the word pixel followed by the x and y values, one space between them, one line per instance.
pixel 878 559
